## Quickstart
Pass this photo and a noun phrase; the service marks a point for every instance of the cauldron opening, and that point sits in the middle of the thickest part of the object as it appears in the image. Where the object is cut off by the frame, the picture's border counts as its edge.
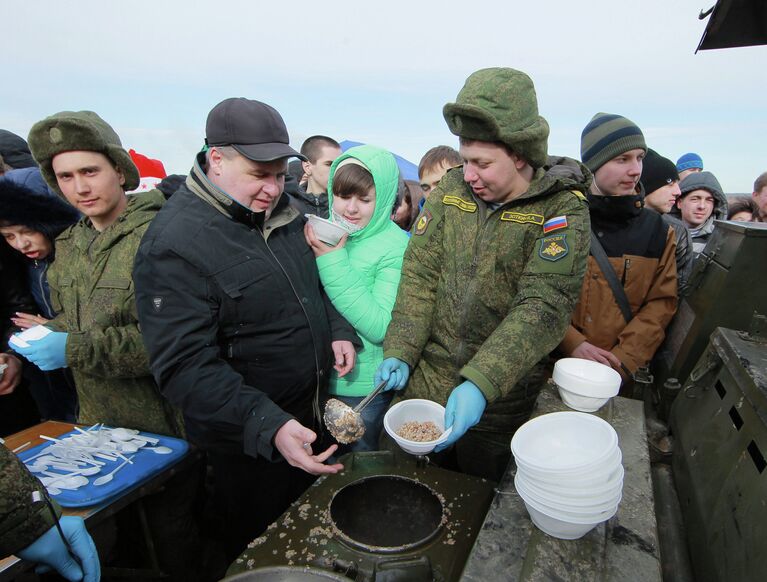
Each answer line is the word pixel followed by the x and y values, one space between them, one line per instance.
pixel 386 513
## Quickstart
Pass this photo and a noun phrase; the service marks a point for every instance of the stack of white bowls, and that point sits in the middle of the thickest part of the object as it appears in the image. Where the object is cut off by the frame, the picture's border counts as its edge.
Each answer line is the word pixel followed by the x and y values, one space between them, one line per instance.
pixel 569 472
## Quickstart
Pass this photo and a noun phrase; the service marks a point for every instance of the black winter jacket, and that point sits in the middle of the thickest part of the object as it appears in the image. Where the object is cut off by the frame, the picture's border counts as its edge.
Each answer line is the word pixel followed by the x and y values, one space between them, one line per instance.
pixel 233 315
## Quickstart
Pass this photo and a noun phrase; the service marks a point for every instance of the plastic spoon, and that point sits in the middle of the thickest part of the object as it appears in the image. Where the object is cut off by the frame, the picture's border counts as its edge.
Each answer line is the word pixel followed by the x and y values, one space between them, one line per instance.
pixel 161 450
pixel 104 479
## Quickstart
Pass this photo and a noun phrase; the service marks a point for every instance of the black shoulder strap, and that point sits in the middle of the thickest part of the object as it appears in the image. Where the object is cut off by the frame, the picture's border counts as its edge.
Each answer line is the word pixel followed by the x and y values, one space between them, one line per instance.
pixel 600 256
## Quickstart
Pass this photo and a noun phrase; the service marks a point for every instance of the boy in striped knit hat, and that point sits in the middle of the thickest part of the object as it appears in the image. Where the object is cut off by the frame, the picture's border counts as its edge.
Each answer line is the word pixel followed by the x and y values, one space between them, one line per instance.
pixel 640 249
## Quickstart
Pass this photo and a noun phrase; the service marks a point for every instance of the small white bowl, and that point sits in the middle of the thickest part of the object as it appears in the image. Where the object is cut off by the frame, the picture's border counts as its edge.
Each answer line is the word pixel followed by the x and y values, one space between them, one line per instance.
pixel 585 385
pixel 416 410
pixel 327 231
pixel 576 489
pixel 569 507
pixel 564 442
pixel 558 528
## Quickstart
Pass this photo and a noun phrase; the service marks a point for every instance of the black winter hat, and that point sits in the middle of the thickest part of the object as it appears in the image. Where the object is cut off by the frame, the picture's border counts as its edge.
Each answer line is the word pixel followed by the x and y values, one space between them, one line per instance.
pixel 39 210
pixel 15 151
pixel 657 172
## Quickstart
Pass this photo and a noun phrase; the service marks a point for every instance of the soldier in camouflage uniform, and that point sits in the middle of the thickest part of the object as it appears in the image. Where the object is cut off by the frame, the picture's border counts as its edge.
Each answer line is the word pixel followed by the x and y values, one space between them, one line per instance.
pixel 27 524
pixel 491 274
pixel 90 280
pixel 96 330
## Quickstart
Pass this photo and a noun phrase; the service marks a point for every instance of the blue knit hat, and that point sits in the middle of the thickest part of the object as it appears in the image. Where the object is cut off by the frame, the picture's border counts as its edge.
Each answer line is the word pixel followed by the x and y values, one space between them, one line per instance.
pixel 689 161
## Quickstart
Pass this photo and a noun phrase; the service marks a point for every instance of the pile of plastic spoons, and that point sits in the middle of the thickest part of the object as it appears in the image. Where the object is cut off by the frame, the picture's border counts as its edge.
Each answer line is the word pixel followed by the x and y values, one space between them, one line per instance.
pixel 99 452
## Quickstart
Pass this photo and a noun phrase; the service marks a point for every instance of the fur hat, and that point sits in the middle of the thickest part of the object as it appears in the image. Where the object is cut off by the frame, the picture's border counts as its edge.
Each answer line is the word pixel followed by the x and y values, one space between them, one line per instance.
pixel 69 131
pixel 25 200
pixel 500 105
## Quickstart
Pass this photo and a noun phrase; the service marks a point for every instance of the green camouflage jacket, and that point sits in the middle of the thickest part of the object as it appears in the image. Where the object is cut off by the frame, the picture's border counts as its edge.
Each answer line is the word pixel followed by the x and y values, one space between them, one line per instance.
pixel 92 291
pixel 23 519
pixel 486 295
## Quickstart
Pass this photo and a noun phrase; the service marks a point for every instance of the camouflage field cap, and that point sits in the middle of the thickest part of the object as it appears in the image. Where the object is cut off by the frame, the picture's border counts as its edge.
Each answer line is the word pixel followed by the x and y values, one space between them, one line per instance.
pixel 69 131
pixel 500 104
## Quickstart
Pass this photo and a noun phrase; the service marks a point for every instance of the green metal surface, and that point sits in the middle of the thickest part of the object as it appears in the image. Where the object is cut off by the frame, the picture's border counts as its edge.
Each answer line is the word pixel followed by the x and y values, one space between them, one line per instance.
pixel 304 535
pixel 727 286
pixel 720 425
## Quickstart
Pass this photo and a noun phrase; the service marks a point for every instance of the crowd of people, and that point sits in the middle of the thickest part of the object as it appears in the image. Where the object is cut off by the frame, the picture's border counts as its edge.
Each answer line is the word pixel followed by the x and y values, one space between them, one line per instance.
pixel 205 306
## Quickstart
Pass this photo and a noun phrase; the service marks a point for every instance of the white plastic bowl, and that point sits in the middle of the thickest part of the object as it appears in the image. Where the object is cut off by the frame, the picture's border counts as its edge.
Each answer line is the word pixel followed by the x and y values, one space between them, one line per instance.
pixel 588 474
pixel 574 489
pixel 585 385
pixel 564 530
pixel 416 410
pixel 595 505
pixel 327 231
pixel 564 441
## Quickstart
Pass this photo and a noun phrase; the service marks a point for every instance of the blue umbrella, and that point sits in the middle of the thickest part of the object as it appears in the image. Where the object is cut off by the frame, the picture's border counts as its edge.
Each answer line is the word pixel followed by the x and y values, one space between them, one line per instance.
pixel 408 170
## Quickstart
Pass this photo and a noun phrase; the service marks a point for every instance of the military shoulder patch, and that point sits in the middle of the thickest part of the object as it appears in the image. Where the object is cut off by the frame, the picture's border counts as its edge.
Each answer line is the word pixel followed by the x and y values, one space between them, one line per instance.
pixel 521 218
pixel 423 223
pixel 553 248
pixel 554 224
pixel 460 203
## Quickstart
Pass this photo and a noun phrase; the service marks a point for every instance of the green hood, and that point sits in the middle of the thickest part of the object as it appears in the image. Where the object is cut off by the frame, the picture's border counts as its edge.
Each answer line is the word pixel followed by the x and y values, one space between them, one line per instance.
pixel 383 167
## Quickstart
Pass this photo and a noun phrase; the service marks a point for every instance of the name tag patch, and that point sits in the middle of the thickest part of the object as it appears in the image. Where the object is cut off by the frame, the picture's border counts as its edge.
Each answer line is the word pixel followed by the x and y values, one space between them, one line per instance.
pixel 553 248
pixel 521 218
pixel 460 203
pixel 554 224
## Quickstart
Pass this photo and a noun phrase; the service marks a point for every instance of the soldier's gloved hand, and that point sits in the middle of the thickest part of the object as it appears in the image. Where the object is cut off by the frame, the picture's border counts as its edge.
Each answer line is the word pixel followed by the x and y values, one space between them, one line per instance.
pixel 465 406
pixel 48 353
pixel 394 371
pixel 49 550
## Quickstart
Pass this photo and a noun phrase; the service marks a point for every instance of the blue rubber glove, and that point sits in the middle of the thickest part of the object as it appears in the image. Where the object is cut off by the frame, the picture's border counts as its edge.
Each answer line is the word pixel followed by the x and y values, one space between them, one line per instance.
pixel 49 550
pixel 465 406
pixel 395 371
pixel 48 353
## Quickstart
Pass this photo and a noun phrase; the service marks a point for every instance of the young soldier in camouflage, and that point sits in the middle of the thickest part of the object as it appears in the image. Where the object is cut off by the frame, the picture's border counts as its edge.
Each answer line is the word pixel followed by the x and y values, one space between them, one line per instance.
pixel 492 272
pixel 96 332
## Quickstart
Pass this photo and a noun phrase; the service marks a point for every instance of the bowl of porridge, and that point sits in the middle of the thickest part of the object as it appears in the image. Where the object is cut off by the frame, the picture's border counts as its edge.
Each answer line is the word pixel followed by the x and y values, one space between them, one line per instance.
pixel 416 425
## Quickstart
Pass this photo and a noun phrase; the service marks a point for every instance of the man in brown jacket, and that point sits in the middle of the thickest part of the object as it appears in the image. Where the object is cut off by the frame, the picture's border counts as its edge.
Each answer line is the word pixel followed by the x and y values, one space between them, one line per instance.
pixel 639 246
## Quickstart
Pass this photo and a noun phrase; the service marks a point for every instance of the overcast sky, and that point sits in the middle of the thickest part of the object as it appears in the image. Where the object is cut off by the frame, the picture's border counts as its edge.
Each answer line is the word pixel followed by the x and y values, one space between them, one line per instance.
pixel 380 72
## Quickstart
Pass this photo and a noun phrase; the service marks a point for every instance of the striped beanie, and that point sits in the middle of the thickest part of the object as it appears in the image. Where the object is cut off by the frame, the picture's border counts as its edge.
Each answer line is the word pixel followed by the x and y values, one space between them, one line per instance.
pixel 608 135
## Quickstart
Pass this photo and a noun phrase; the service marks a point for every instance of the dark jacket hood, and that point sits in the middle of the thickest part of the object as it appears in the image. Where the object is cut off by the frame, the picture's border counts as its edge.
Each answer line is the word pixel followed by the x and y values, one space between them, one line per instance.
pixel 15 151
pixel 25 199
pixel 706 181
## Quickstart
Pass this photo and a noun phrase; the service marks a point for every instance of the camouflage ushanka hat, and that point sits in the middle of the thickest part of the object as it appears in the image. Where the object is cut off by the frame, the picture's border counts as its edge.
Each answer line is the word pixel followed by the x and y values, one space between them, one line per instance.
pixel 500 105
pixel 69 131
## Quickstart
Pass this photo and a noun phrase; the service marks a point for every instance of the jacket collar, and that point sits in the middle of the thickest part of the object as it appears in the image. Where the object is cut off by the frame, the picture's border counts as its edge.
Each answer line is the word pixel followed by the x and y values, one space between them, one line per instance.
pixel 200 185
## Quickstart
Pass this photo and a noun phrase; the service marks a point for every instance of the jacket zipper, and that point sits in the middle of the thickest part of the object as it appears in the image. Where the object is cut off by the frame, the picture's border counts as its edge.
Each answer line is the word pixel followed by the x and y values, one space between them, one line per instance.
pixel 48 308
pixel 316 403
pixel 626 265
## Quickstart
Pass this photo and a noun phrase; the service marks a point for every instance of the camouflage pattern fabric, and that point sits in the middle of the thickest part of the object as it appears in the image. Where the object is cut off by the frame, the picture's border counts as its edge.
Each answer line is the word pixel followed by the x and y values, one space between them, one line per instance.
pixel 486 295
pixel 92 290
pixel 22 519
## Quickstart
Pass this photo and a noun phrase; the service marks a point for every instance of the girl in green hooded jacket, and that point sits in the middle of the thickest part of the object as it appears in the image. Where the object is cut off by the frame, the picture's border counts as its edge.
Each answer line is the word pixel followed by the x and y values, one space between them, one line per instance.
pixel 362 272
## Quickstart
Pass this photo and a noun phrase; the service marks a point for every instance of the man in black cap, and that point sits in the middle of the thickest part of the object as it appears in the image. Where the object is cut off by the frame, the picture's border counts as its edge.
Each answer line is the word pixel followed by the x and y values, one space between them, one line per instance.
pixel 240 335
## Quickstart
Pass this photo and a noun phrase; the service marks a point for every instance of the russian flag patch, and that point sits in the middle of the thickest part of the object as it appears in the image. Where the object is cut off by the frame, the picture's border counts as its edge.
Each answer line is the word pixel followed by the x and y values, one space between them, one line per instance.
pixel 554 224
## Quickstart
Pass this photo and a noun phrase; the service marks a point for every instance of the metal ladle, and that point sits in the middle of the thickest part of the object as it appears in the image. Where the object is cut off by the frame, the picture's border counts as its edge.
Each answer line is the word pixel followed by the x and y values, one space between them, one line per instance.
pixel 344 422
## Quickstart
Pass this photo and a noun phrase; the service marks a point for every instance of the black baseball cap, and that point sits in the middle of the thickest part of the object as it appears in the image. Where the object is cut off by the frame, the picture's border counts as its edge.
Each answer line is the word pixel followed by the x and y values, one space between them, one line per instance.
pixel 254 129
